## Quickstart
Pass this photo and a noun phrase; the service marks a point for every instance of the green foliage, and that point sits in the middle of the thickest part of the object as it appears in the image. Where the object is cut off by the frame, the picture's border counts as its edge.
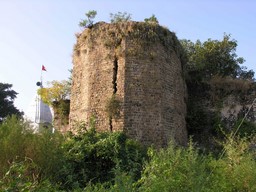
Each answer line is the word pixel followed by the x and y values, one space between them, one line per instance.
pixel 152 20
pixel 56 91
pixel 213 72
pixel 91 161
pixel 17 142
pixel 69 82
pixel 234 170
pixel 7 96
pixel 113 107
pixel 174 169
pixel 57 95
pixel 25 176
pixel 121 182
pixel 21 176
pixel 93 157
pixel 61 110
pixel 177 169
pixel 89 21
pixel 120 17
pixel 213 57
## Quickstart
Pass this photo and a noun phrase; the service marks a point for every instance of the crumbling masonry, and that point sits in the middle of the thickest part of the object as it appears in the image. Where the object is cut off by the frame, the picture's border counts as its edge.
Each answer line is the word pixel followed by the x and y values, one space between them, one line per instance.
pixel 129 77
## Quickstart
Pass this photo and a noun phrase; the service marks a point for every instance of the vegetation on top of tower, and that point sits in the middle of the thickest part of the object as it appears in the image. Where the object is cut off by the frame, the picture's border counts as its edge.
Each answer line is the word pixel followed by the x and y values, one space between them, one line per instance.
pixel 120 17
pixel 147 31
pixel 152 19
pixel 88 23
pixel 143 33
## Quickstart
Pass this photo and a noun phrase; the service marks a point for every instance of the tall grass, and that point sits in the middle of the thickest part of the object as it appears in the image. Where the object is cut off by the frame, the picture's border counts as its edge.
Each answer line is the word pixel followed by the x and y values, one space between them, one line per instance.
pixel 185 169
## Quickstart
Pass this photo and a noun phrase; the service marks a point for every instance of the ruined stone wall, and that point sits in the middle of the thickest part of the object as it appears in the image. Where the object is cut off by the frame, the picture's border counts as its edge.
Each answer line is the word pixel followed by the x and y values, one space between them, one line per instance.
pixel 137 64
pixel 234 108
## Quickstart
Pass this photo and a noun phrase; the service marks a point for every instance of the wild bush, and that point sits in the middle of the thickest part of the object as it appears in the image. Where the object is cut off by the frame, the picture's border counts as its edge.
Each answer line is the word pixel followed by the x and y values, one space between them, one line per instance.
pixel 93 157
pixel 177 169
pixel 121 182
pixel 17 142
pixel 174 169
pixel 92 161
pixel 25 176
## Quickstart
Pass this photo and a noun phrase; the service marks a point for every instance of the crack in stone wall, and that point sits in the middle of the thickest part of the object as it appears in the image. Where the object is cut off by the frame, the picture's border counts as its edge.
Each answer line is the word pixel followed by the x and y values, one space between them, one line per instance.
pixel 114 82
pixel 115 69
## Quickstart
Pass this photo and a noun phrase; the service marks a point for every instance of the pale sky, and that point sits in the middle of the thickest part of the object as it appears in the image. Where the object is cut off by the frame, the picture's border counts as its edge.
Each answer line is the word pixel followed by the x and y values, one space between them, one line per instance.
pixel 41 32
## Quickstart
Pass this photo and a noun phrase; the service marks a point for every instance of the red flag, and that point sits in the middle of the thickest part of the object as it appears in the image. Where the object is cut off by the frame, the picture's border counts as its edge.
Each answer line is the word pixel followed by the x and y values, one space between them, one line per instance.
pixel 43 68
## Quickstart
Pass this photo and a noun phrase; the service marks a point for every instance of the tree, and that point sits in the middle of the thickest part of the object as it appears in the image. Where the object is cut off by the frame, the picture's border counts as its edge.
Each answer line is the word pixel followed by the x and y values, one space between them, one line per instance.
pixel 213 72
pixel 214 58
pixel 152 19
pixel 120 17
pixel 7 96
pixel 58 96
pixel 89 21
pixel 57 91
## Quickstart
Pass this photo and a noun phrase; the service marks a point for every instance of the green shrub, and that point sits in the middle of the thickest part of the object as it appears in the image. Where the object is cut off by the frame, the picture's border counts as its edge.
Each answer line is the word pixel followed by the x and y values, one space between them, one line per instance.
pixel 177 169
pixel 121 182
pixel 236 168
pixel 21 176
pixel 17 142
pixel 120 17
pixel 91 161
pixel 93 157
pixel 174 169
pixel 24 176
pixel 113 107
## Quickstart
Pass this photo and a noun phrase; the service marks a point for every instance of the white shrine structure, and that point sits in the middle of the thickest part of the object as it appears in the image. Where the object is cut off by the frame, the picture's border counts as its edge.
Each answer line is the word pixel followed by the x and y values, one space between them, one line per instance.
pixel 39 114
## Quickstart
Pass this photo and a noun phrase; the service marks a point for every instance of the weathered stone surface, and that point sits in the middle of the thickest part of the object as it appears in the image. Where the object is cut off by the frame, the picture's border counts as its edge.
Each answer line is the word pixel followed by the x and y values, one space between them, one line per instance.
pixel 235 108
pixel 140 64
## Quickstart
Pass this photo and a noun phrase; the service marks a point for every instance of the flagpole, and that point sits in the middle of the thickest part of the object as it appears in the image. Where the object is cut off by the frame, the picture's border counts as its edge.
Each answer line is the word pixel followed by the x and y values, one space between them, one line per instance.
pixel 40 108
pixel 41 78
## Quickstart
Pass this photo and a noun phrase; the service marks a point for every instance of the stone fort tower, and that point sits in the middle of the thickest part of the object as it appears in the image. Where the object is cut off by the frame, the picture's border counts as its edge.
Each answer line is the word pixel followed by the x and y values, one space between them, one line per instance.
pixel 129 77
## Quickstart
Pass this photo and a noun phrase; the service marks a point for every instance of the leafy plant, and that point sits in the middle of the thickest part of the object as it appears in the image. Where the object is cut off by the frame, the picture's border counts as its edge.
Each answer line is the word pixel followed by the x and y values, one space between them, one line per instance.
pixel 121 182
pixel 61 111
pixel 93 157
pixel 56 91
pixel 177 169
pixel 174 169
pixel 213 73
pixel 25 176
pixel 43 149
pixel 120 17
pixel 7 96
pixel 21 176
pixel 57 95
pixel 113 107
pixel 89 21
pixel 151 19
